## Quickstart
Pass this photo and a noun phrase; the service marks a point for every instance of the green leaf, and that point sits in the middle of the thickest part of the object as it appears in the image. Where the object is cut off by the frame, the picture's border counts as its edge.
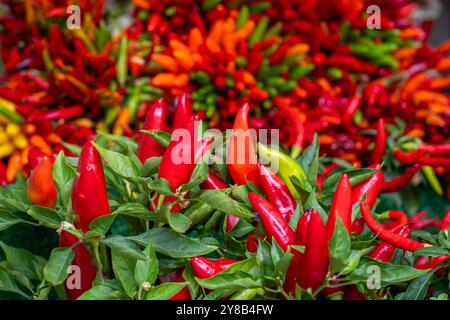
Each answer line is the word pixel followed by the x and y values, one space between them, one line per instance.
pixel 103 292
pixel 151 166
pixel 172 244
pixel 356 176
pixel 160 186
pixel 165 290
pixel 48 217
pixel 135 209
pixel 119 163
pixel 199 175
pixel 339 245
pixel 236 280
pixel 353 260
pixel 162 137
pixel 147 270
pixel 309 160
pixel 242 228
pixel 430 252
pixel 417 289
pixel 123 267
pixel 127 144
pixel 178 222
pixel 7 219
pixel 63 175
pixel 386 273
pixel 21 260
pixel 199 212
pixel 220 201
pixel 55 271
pixel 124 246
pixel 102 224
pixel 8 284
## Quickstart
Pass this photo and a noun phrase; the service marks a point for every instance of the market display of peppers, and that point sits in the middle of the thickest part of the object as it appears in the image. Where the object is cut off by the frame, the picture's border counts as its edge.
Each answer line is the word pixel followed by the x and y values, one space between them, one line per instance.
pixel 90 151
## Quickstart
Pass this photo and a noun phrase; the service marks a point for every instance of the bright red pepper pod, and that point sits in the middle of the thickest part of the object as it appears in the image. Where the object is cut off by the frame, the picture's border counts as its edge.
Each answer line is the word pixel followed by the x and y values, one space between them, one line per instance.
pixel 314 263
pixel 89 197
pixel 386 235
pixel 272 220
pixel 225 263
pixel 155 120
pixel 83 270
pixel 370 188
pixel 423 263
pixel 446 221
pixel 241 157
pixel 380 143
pixel 398 183
pixel 341 205
pixel 352 293
pixel 397 219
pixel 41 189
pixel 183 113
pixel 252 243
pixel 35 155
pixel 204 268
pixel 276 192
pixel 384 252
pixel 183 294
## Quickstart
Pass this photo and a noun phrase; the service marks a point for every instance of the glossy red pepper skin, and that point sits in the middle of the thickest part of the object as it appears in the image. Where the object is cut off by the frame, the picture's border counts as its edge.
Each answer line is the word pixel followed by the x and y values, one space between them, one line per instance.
pixel 35 155
pixel 41 189
pixel 436 149
pixel 446 221
pixel 272 220
pixel 341 205
pixel 380 143
pixel 352 293
pixel 241 158
pixel 155 120
pixel 183 113
pixel 384 252
pixel 314 264
pixel 276 192
pixel 213 182
pixel 204 268
pixel 370 189
pixel 252 243
pixel 300 238
pixel 398 183
pixel 408 158
pixel 225 263
pixel 423 263
pixel 89 197
pixel 82 260
pixel 386 235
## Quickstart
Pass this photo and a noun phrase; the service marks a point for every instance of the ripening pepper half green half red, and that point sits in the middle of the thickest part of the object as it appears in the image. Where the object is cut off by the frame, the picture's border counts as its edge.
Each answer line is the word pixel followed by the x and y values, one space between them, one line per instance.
pixel 41 189
pixel 89 197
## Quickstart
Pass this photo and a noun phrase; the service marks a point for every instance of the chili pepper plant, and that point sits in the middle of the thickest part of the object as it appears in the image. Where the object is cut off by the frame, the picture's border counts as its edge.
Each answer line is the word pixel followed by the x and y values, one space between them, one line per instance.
pixel 135 222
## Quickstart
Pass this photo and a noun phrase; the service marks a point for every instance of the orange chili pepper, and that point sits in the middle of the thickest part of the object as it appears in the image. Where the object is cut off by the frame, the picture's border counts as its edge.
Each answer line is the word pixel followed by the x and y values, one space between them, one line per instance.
pixel 165 61
pixel 40 143
pixel 443 65
pixel 440 83
pixel 41 189
pixel 14 164
pixel 184 58
pixel 163 79
pixel 195 39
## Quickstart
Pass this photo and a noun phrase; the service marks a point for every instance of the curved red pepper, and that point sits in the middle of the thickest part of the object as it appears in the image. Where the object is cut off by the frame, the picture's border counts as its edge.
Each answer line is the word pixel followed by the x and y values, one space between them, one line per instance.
pixel 35 155
pixel 398 183
pixel 272 220
pixel 252 243
pixel 213 182
pixel 242 165
pixel 408 158
pixel 423 263
pixel 352 293
pixel 370 189
pixel 183 113
pixel 155 120
pixel 276 192
pixel 41 189
pixel 86 273
pixel 397 219
pixel 341 205
pixel 386 235
pixel 384 251
pixel 89 197
pixel 225 263
pixel 314 264
pixel 183 294
pixel 436 149
pixel 204 268
pixel 380 143
pixel 446 221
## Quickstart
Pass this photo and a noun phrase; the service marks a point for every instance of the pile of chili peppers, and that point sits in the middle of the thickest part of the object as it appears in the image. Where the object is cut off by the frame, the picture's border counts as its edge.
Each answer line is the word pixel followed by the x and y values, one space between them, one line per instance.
pixel 197 229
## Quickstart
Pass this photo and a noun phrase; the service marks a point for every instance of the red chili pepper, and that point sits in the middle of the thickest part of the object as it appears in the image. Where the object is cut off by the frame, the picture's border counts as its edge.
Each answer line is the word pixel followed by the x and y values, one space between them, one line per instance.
pixel 155 120
pixel 352 293
pixel 314 264
pixel 241 151
pixel 398 183
pixel 397 219
pixel 184 112
pixel 380 143
pixel 64 113
pixel 384 252
pixel 41 189
pixel 300 238
pixel 370 188
pixel 3 180
pixel 423 263
pixel 352 106
pixel 436 162
pixel 297 124
pixel 252 243
pixel 276 192
pixel 84 272
pixel 204 268
pixel 35 155
pixel 183 294
pixel 213 182
pixel 89 198
pixel 225 263
pixel 387 235
pixel 446 221
pixel 418 221
pixel 408 158
pixel 436 149
pixel 341 205
pixel 272 220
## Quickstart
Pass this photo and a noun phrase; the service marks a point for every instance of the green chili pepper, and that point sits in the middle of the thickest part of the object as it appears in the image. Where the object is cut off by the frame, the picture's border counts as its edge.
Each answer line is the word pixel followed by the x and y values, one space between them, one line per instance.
pixel 246 294
pixel 243 16
pixel 209 4
pixel 13 116
pixel 287 166
pixel 201 77
pixel 170 11
pixel 199 213
pixel 122 62
pixel 335 73
pixel 432 179
pixel 387 61
pixel 302 71
pixel 273 31
pixel 259 31
pixel 260 7
pixel 241 61
pixel 287 86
